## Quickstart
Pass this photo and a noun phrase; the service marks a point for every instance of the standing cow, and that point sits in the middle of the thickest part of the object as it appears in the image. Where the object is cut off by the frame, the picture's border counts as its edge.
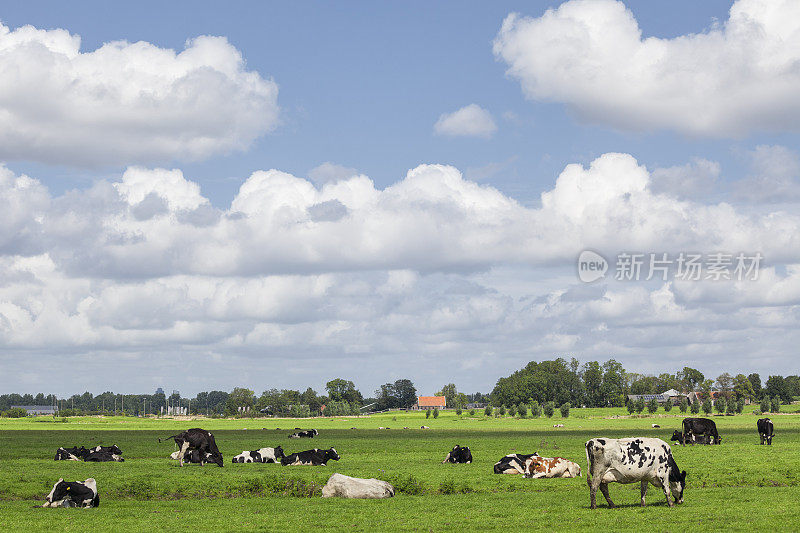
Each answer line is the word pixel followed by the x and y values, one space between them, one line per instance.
pixel 765 430
pixel 631 460
pixel 200 440
pixel 695 427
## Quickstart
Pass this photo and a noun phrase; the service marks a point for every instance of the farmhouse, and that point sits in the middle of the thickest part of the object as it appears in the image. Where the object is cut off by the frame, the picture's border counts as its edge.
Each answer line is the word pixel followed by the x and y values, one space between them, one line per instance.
pixel 430 402
pixel 37 409
pixel 670 395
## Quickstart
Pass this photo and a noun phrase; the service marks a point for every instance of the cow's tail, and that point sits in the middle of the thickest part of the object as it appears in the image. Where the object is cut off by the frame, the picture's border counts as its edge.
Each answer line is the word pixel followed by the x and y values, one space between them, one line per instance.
pixel 170 437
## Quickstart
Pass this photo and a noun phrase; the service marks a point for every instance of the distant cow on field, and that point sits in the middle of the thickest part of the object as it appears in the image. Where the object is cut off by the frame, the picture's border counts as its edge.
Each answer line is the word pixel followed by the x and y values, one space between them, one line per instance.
pixel 694 427
pixel 549 467
pixel 200 440
pixel 765 430
pixel 71 454
pixel 459 454
pixel 315 457
pixel 308 434
pixel 513 463
pixel 103 457
pixel 631 460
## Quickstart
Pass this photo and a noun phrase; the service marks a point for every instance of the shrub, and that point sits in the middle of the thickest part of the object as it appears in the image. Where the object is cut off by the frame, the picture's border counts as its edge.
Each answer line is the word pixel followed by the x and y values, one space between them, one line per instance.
pixel 695 407
pixel 522 410
pixel 765 405
pixel 472 412
pixel 684 405
pixel 776 405
pixel 549 409
pixel 565 410
pixel 15 412
pixel 640 405
pixel 536 410
pixel 721 404
pixel 428 413
pixel 631 406
pixel 458 411
pixel 731 409
pixel 668 406
pixel 502 410
pixel 512 410
pixel 652 406
pixel 410 484
pixel 487 411
pixel 740 406
pixel 707 407
pixel 435 412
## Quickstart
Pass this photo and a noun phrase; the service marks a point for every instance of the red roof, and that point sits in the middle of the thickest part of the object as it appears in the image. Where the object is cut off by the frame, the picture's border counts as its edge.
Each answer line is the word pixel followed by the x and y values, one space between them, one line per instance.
pixel 431 401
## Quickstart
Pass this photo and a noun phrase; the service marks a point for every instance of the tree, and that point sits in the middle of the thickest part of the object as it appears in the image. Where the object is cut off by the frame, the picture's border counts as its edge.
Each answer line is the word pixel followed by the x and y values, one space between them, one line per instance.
pixel 776 404
pixel 502 410
pixel 342 390
pixel 536 410
pixel 721 404
pixel 401 393
pixel 668 406
pixel 684 404
pixel 450 393
pixel 592 381
pixel 730 409
pixel 725 382
pixel 640 405
pixel 522 410
pixel 435 412
pixel 755 381
pixel 766 405
pixel 690 378
pixel 631 406
pixel 739 406
pixel 707 407
pixel 613 383
pixel 776 386
pixel 487 410
pixel 652 406
pixel 743 388
pixel 512 410
pixel 240 398
pixel 695 407
pixel 565 410
pixel 428 413
pixel 549 409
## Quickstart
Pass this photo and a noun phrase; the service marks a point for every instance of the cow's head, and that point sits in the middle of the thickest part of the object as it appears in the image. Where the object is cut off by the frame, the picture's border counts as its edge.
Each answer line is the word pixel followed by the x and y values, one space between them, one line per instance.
pixel 677 436
pixel 279 453
pixel 718 440
pixel 58 493
pixel 677 484
pixel 215 458
pixel 331 454
pixel 115 450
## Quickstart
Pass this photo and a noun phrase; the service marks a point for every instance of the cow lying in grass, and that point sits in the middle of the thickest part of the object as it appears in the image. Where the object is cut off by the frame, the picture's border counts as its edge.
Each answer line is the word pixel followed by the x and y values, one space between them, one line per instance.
pixel 315 457
pixel 549 467
pixel 73 494
pixel 103 457
pixel 513 463
pixel 307 434
pixel 459 454
pixel 638 459
pixel 263 455
pixel 96 454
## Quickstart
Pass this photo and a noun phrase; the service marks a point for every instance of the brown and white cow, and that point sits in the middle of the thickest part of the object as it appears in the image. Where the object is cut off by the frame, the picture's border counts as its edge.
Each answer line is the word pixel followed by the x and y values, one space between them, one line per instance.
pixel 538 467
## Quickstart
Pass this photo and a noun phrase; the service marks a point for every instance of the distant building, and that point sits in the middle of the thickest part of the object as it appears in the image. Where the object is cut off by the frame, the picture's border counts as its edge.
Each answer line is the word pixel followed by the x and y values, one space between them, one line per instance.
pixel 671 395
pixel 37 409
pixel 430 402
pixel 159 391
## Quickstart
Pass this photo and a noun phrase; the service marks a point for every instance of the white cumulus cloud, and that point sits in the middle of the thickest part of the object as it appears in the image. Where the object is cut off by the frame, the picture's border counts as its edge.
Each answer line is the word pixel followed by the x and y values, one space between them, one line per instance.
pixel 126 102
pixel 469 121
pixel 735 78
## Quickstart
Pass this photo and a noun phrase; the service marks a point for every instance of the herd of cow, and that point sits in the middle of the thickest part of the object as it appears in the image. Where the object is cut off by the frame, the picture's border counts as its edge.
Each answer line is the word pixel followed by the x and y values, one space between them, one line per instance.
pixel 644 460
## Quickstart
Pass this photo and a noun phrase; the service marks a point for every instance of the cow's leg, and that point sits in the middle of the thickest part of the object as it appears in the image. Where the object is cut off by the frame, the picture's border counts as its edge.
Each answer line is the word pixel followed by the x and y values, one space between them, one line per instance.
pixel 182 451
pixel 604 490
pixel 667 492
pixel 644 490
pixel 592 491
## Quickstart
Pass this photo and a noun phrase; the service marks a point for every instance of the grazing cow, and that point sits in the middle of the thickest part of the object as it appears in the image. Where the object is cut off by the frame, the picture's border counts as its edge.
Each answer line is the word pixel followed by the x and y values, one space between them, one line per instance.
pixel 646 460
pixel 678 437
pixel 765 430
pixel 73 493
pixel 513 463
pixel 248 457
pixel 538 467
pixel 459 454
pixel 103 457
pixel 694 427
pixel 71 454
pixel 109 449
pixel 315 457
pixel 682 438
pixel 308 434
pixel 197 439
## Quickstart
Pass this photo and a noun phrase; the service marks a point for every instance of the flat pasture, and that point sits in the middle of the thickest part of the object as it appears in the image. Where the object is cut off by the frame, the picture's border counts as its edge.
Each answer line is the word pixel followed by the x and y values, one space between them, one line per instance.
pixel 729 486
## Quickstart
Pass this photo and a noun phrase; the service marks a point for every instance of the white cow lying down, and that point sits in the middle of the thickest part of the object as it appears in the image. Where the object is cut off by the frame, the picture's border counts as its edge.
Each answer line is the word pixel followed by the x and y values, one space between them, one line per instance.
pixel 638 459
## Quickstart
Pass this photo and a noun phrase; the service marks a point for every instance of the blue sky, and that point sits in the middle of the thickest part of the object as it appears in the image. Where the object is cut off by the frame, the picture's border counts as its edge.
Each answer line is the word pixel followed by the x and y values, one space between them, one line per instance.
pixel 385 190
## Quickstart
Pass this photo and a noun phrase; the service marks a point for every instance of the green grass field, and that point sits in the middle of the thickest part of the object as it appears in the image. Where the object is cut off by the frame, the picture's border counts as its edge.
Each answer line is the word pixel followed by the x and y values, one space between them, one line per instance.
pixel 729 486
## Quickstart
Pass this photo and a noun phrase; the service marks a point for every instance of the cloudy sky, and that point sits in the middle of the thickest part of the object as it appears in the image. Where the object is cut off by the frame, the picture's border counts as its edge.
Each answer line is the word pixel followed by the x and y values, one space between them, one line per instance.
pixel 275 195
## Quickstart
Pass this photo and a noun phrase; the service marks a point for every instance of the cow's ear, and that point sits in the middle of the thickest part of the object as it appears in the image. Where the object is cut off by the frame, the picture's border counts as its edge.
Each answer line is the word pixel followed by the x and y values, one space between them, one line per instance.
pixel 683 475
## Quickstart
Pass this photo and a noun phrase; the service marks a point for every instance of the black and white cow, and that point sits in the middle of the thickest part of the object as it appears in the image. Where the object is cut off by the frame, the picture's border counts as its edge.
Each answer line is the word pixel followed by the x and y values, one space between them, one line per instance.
pixel 193 456
pixel 271 455
pixel 459 454
pixel 308 434
pixel 694 427
pixel 71 454
pixel 73 493
pixel 315 457
pixel 631 460
pixel 200 440
pixel 248 457
pixel 765 430
pixel 103 457
pixel 513 463
pixel 108 449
